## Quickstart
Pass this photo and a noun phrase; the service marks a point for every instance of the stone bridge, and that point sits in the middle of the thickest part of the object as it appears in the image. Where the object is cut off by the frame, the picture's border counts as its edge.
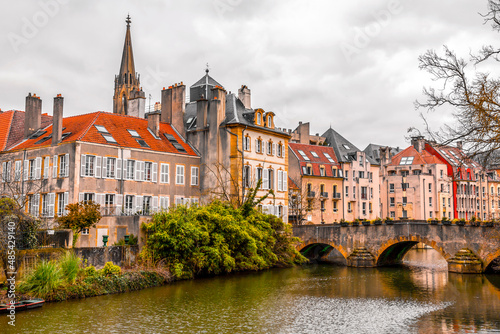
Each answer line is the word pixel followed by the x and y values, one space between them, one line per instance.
pixel 467 249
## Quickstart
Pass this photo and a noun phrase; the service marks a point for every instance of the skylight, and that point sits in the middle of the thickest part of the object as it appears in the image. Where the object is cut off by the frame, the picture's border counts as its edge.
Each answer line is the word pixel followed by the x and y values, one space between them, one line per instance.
pixel 406 161
pixel 346 146
pixel 109 139
pixel 303 155
pixel 134 133
pixel 314 154
pixel 329 157
pixel 101 128
pixel 142 143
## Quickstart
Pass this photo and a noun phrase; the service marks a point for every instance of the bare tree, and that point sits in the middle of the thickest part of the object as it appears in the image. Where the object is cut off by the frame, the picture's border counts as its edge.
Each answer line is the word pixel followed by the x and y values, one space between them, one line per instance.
pixel 302 200
pixel 473 95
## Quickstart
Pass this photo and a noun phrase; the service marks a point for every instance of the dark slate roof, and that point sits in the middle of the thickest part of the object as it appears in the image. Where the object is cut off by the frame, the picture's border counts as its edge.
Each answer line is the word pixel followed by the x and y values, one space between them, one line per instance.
pixel 203 80
pixel 236 113
pixel 16 130
pixel 373 152
pixel 343 148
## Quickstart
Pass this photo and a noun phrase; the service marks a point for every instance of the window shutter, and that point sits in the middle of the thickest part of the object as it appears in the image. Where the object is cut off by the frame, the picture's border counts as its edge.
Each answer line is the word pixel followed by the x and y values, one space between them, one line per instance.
pixel 80 197
pixel 282 151
pixel 280 180
pixel 4 169
pixel 118 169
pixel 104 167
pixel 138 171
pixel 8 171
pixel 38 170
pixel 155 204
pixel 46 164
pixel 143 165
pixel 119 204
pixel 25 170
pixel 54 166
pixel 52 201
pixel 124 169
pixel 98 167
pixel 274 149
pixel 82 165
pixel 36 206
pixel 265 179
pixel 66 165
pixel 155 173
pixel 256 145
pixel 138 203
pixel 285 181
pixel 285 214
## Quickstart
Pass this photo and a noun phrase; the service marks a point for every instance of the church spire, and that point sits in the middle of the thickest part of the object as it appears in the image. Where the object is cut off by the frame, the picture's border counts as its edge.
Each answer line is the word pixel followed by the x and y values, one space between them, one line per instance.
pixel 127 67
pixel 129 99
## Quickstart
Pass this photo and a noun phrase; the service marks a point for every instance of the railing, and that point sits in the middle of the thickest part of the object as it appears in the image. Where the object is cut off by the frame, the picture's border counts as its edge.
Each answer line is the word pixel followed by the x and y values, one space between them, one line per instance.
pixel 311 194
pixel 324 194
pixel 364 196
pixel 336 195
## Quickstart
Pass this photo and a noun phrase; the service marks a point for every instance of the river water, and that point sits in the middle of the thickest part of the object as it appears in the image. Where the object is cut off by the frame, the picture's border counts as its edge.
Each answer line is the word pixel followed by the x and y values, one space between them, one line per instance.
pixel 418 297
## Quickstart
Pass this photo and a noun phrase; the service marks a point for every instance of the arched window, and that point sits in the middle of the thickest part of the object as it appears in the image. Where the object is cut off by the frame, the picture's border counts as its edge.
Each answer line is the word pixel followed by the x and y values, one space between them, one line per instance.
pixel 269 121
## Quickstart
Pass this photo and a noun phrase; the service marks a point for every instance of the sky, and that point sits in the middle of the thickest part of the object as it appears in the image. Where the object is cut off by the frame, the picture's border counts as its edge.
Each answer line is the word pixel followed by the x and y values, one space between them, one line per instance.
pixel 351 65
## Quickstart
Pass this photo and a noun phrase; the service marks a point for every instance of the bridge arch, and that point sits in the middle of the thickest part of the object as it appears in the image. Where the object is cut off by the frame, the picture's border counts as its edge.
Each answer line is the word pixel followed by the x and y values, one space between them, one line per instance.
pixel 488 260
pixel 394 250
pixel 322 248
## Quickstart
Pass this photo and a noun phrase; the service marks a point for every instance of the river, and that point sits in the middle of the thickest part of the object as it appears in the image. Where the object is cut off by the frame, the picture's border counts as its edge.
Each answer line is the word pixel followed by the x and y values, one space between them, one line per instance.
pixel 418 297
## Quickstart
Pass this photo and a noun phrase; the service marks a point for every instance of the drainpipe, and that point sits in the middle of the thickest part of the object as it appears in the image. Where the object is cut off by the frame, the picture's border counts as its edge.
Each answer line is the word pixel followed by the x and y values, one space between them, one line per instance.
pixel 343 193
pixel 22 178
pixel 423 188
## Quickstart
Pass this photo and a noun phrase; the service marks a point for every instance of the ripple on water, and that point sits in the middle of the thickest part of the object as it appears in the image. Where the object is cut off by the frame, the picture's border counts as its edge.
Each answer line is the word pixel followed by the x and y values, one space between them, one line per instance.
pixel 326 315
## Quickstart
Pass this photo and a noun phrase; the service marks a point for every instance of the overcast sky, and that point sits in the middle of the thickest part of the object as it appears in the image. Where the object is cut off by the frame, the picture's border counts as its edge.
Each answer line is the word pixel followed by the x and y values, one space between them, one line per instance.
pixel 352 64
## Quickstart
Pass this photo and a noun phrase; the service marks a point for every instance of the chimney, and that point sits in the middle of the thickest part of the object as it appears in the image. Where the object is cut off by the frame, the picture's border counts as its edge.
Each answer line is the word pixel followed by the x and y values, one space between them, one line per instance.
pixel 173 104
pixel 244 95
pixel 201 113
pixel 385 155
pixel 154 122
pixel 219 93
pixel 33 115
pixel 57 119
pixel 418 143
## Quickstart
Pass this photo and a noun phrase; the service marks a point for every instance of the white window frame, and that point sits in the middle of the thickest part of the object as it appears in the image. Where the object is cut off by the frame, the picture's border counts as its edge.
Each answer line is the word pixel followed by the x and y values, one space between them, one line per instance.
pixel 195 176
pixel 179 174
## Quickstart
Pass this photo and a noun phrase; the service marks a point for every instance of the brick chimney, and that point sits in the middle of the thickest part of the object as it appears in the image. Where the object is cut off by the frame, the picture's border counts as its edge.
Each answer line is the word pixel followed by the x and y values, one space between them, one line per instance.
pixel 201 113
pixel 385 155
pixel 57 119
pixel 418 143
pixel 33 115
pixel 154 123
pixel 173 105
pixel 244 95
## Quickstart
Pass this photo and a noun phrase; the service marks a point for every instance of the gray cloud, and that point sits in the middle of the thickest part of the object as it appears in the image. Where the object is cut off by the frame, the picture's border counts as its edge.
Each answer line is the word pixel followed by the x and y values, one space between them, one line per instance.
pixel 288 52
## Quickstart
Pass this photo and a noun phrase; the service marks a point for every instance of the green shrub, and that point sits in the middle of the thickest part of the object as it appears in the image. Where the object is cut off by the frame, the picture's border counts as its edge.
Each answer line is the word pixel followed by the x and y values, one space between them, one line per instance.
pixel 110 269
pixel 90 271
pixel 70 266
pixel 44 280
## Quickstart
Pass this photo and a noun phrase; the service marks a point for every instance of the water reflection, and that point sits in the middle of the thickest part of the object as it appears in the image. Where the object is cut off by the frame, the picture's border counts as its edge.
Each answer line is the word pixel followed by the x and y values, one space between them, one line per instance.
pixel 419 297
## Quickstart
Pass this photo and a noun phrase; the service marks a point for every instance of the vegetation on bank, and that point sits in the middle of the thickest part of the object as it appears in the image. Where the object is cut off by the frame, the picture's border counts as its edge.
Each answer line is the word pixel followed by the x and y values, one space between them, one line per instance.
pixel 218 238
pixel 67 278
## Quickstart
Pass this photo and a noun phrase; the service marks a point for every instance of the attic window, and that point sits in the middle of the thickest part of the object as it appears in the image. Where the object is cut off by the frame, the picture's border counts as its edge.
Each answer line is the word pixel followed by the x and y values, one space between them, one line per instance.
pixel 190 120
pixel 314 154
pixel 346 146
pixel 101 128
pixel 179 147
pixel 175 143
pixel 142 143
pixel 110 139
pixel 329 158
pixel 406 161
pixel 37 134
pixel 134 133
pixel 44 139
pixel 64 135
pixel 170 137
pixel 303 155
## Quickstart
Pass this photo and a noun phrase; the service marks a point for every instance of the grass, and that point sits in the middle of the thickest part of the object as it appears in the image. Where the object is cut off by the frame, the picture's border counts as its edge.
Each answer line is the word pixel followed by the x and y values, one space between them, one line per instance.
pixel 45 279
pixel 70 266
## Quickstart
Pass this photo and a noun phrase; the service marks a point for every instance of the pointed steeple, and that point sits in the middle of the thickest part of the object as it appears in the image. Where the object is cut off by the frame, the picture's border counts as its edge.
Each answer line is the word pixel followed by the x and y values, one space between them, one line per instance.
pixel 127 67
pixel 129 99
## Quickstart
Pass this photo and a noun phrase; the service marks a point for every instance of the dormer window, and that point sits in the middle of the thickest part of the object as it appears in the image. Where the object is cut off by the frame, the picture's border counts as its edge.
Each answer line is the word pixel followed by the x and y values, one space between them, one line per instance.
pixel 269 121
pixel 259 118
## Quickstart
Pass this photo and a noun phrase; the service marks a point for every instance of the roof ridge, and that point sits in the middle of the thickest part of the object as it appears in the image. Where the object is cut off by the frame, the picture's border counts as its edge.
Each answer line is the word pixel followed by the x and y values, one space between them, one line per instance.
pixel 90 125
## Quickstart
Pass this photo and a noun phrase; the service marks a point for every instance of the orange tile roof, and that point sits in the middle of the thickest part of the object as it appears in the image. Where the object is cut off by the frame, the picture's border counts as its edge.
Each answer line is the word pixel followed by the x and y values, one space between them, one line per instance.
pixel 5 123
pixel 419 158
pixel 316 162
pixel 82 128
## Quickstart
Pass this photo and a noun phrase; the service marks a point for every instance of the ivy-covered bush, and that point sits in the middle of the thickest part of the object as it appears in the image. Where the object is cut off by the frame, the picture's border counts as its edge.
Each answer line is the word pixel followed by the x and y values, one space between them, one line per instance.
pixel 110 269
pixel 218 238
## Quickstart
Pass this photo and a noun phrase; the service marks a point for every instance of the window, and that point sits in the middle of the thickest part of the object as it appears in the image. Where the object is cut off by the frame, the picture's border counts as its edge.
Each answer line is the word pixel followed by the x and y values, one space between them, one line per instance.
pixel 87 197
pixel 270 174
pixel 146 205
pixel 430 187
pixel 89 168
pixel 258 145
pixel 334 172
pixel 346 191
pixel 130 169
pixel 85 231
pixel 31 169
pixel 148 171
pixel 346 146
pixel 346 174
pixel 364 192
pixel 364 208
pixel 246 176
pixel 45 205
pixel 129 204
pixel 405 186
pixel 179 175
pixel 430 201
pixel 63 165
pixel 194 176
pixel 246 143
pixel 259 118
pixel 405 173
pixel 329 157
pixel 441 172
pixel 430 214
pixel 134 133
pixel 110 167
pixel 304 156
pixel 361 175
pixel 269 147
pixel 354 192
pixel 314 154
pixel 391 201
pixel 143 143
pixel 280 150
pixel 392 214
pixel 322 171
pixel 259 174
pixel 269 121
pixel 101 128
pixel 335 209
pixel 62 201
pixel 18 173
pixel 322 205
pixel 164 173
pixel 349 207
pixel 109 139
pixel 405 201
pixel 406 161
pixel 109 205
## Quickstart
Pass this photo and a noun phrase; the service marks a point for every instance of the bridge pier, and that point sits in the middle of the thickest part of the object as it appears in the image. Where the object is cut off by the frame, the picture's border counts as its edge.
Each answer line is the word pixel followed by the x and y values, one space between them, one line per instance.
pixel 465 262
pixel 361 258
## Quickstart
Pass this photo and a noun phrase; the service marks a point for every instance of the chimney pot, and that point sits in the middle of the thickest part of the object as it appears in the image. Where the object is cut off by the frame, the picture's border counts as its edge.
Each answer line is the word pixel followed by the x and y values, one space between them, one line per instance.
pixel 57 120
pixel 33 115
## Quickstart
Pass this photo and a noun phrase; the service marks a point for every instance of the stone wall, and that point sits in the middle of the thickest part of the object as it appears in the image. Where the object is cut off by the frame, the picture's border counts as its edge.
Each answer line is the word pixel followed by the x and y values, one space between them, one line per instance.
pixel 123 256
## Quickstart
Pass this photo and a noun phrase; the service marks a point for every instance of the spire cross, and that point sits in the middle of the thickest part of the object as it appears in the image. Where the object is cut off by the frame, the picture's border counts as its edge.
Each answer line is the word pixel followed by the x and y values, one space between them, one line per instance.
pixel 128 20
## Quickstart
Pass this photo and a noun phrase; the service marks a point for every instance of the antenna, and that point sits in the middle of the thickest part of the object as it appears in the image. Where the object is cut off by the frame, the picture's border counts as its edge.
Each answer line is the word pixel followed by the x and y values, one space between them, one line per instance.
pixel 149 102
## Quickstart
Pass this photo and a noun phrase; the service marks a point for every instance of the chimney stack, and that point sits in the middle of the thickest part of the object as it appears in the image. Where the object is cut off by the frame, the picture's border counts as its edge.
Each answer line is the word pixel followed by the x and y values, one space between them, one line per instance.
pixel 57 119
pixel 33 115
pixel 201 113
pixel 418 143
pixel 244 94
pixel 459 145
pixel 173 105
pixel 154 123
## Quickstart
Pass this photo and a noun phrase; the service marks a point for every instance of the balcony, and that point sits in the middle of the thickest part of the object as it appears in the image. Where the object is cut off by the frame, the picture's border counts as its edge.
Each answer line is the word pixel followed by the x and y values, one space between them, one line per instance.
pixel 336 195
pixel 311 194
pixel 324 194
pixel 364 196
